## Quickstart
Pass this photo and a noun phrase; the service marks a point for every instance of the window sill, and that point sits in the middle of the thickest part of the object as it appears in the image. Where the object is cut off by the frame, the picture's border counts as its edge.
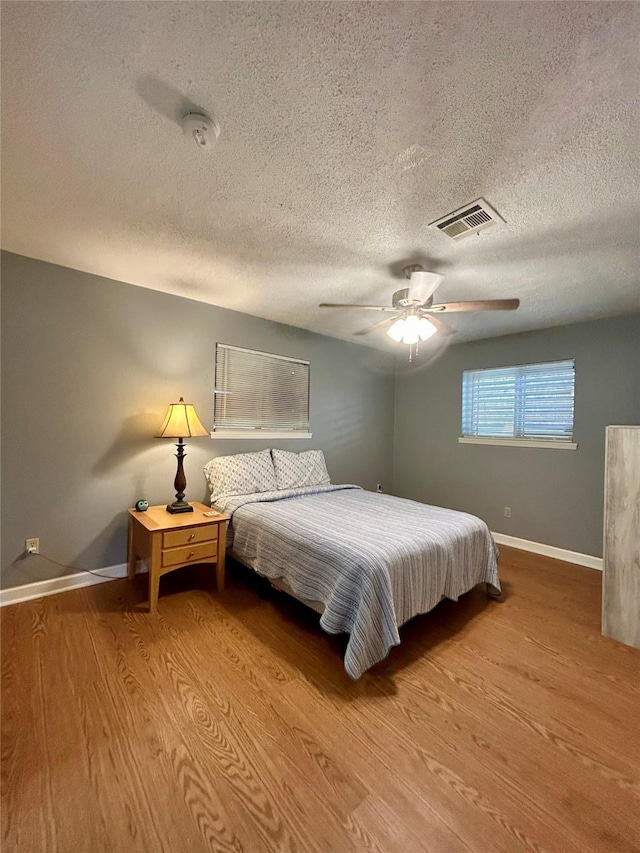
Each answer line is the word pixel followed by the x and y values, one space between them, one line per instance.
pixel 258 434
pixel 519 442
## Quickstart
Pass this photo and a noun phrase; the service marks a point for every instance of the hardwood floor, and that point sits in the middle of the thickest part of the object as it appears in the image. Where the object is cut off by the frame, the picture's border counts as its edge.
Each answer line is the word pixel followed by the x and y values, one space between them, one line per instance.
pixel 226 723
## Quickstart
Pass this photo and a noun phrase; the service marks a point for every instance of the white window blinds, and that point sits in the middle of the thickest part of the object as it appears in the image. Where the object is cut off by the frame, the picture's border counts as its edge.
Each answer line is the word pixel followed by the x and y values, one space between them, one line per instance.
pixel 259 391
pixel 530 401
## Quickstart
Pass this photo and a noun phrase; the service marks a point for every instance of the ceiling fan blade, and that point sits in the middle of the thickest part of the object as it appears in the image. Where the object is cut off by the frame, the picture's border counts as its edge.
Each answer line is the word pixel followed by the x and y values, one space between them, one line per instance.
pixel 367 307
pixel 442 328
pixel 477 305
pixel 378 325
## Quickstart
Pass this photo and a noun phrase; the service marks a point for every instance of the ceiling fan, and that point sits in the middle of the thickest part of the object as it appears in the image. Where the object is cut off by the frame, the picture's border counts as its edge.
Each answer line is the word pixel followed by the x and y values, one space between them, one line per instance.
pixel 416 317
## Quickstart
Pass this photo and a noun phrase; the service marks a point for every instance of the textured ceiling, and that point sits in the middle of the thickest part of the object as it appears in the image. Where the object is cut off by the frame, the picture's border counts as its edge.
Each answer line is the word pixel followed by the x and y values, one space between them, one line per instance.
pixel 346 128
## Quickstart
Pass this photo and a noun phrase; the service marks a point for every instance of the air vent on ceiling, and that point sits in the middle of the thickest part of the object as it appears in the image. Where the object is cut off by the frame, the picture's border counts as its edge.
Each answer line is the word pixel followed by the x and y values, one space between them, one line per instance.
pixel 467 220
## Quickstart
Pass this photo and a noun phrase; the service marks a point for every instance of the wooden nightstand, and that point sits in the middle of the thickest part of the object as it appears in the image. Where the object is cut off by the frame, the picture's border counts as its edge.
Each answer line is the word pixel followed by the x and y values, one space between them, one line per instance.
pixel 167 542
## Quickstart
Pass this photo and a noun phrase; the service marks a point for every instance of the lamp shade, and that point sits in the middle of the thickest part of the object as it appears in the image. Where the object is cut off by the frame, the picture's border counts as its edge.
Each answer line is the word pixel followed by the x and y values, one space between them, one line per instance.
pixel 181 422
pixel 411 333
pixel 396 331
pixel 426 329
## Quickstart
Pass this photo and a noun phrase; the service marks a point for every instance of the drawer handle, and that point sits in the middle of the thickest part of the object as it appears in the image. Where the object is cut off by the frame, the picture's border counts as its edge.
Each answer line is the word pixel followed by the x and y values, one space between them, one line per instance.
pixel 192 537
pixel 191 554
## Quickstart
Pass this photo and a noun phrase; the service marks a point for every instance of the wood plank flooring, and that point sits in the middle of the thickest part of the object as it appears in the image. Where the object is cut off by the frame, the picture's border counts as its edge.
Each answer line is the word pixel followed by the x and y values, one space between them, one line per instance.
pixel 227 723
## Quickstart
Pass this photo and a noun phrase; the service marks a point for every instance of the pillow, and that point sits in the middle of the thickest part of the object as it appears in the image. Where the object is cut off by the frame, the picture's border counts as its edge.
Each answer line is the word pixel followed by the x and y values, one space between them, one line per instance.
pixel 242 474
pixel 294 470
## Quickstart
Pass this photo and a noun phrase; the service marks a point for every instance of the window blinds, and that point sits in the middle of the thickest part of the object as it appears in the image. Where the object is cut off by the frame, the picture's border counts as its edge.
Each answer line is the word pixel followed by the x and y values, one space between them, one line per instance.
pixel 259 391
pixel 532 401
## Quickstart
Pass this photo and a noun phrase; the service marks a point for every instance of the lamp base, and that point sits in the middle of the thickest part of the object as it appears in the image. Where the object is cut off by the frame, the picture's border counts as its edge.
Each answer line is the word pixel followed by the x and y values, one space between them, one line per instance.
pixel 179 506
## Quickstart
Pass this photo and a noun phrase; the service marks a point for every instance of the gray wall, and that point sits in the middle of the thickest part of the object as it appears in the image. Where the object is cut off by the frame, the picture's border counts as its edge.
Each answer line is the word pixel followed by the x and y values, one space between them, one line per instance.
pixel 556 496
pixel 89 366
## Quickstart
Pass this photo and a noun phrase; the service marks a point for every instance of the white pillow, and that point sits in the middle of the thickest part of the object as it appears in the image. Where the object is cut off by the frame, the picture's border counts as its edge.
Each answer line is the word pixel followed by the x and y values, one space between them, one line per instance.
pixel 294 470
pixel 242 474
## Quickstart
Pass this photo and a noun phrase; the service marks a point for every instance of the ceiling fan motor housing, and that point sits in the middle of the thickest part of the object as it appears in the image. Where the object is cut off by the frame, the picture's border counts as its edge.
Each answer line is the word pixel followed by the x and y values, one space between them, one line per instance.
pixel 402 299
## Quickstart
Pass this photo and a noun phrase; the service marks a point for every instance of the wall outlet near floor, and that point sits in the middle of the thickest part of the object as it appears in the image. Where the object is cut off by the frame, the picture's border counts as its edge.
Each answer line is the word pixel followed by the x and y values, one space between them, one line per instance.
pixel 507 512
pixel 32 546
pixel 379 487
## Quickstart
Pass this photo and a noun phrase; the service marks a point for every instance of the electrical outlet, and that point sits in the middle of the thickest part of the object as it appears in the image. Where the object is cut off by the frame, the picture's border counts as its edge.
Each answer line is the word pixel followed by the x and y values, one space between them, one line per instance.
pixel 507 512
pixel 379 487
pixel 32 546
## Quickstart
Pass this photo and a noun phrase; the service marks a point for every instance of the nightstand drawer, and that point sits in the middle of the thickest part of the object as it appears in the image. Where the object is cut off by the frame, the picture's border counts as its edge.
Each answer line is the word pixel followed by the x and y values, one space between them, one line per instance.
pixel 190 536
pixel 189 554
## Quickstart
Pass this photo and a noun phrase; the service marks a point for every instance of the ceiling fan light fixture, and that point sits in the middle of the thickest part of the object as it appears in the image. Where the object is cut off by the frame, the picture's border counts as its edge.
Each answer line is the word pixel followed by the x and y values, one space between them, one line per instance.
pixel 425 329
pixel 411 330
pixel 396 331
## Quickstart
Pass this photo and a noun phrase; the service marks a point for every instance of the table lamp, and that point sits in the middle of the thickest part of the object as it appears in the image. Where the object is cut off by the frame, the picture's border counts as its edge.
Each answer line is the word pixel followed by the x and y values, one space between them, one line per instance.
pixel 181 422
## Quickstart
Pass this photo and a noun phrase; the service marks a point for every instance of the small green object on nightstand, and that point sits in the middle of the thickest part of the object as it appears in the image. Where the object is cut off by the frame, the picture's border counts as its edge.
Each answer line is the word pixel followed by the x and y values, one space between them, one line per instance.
pixel 142 505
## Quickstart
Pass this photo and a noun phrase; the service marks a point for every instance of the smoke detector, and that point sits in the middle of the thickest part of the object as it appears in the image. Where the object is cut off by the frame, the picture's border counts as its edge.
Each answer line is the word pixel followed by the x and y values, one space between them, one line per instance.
pixel 467 220
pixel 202 129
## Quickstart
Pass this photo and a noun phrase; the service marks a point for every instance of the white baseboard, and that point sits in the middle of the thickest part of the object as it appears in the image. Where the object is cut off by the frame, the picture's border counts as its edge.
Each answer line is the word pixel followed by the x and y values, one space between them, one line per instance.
pixel 39 589
pixel 549 551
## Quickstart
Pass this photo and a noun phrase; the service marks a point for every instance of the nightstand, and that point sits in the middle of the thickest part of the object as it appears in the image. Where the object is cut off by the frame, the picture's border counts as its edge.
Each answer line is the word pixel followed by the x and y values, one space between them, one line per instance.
pixel 167 542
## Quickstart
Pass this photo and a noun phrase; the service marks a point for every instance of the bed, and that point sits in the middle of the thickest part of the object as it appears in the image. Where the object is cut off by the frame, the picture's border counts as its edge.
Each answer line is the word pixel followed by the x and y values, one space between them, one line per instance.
pixel 367 562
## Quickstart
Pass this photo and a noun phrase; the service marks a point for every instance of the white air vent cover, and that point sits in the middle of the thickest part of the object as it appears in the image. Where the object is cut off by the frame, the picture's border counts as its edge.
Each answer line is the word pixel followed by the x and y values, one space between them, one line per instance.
pixel 467 220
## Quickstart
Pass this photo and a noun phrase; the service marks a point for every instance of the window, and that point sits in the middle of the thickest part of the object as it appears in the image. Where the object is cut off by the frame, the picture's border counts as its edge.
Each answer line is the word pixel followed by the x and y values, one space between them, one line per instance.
pixel 259 393
pixel 528 405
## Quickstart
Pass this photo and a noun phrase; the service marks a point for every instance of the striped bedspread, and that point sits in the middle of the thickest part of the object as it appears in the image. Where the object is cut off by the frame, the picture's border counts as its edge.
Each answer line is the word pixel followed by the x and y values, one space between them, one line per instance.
pixel 374 561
